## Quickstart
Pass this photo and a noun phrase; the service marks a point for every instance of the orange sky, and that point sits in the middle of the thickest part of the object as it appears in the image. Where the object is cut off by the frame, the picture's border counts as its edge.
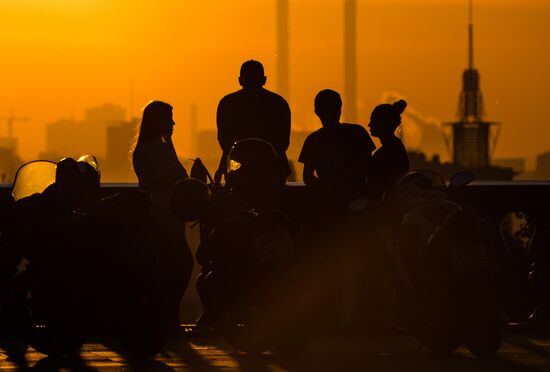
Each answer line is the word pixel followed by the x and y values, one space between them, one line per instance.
pixel 60 57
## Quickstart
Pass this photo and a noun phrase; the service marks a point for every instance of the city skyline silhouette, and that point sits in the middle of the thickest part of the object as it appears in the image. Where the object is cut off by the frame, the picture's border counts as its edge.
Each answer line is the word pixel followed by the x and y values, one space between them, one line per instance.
pixel 67 58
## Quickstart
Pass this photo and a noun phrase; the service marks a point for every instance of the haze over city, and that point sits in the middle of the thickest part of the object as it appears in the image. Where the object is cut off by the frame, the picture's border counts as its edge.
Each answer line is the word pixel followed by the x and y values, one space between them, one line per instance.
pixel 63 57
pixel 380 204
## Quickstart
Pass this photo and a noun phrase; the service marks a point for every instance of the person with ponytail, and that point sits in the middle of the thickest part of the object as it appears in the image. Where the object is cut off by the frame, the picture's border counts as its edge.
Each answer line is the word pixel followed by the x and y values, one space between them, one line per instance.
pixel 158 169
pixel 390 161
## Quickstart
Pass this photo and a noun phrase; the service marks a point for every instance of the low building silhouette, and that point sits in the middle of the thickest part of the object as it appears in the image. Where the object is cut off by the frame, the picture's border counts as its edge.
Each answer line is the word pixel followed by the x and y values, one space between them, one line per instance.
pixel 542 169
pixel 418 160
pixel 517 164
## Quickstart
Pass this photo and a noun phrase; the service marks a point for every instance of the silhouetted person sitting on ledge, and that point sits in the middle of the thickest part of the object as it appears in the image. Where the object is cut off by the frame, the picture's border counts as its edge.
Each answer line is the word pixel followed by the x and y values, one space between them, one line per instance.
pixel 253 112
pixel 390 161
pixel 336 156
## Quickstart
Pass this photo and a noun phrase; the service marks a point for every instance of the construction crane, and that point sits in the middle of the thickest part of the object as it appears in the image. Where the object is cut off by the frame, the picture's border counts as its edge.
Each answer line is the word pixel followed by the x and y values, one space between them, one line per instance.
pixel 10 120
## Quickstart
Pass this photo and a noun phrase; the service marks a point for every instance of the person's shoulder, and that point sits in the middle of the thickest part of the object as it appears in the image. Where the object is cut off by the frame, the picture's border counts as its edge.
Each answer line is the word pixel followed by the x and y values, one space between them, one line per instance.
pixel 231 96
pixel 359 132
pixel 274 96
pixel 315 134
pixel 356 128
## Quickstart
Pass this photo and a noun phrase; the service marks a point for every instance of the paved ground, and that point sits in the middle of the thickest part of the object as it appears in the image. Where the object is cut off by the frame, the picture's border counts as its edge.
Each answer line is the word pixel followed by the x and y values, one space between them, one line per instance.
pixel 520 352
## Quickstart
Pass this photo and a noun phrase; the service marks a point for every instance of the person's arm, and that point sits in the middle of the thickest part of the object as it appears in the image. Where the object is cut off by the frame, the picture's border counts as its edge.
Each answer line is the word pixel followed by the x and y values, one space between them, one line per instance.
pixel 367 146
pixel 309 175
pixel 285 122
pixel 305 157
pixel 225 139
pixel 222 169
pixel 278 131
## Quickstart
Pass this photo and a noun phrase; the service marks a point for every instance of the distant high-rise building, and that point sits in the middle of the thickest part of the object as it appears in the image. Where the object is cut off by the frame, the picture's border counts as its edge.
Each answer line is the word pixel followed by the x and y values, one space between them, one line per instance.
pixel 117 166
pixel 283 74
pixel 65 137
pixel 69 137
pixel 471 135
pixel 350 60
pixel 193 129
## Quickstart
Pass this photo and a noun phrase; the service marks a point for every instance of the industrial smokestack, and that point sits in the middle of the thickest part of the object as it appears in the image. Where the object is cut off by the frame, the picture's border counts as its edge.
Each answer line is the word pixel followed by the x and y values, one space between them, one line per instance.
pixel 282 49
pixel 194 130
pixel 350 60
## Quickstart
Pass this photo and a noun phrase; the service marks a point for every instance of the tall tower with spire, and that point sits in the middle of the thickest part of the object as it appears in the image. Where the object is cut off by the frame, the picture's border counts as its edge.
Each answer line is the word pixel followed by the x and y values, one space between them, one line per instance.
pixel 471 135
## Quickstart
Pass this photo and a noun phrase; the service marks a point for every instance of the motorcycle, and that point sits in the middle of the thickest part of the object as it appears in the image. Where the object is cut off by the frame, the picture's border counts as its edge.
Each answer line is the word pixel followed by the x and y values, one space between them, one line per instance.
pixel 51 308
pixel 90 263
pixel 442 257
pixel 250 280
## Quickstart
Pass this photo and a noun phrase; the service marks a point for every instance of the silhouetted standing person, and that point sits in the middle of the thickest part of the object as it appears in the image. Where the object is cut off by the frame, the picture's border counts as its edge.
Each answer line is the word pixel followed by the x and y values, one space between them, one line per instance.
pixel 158 169
pixel 390 161
pixel 253 112
pixel 335 159
pixel 336 156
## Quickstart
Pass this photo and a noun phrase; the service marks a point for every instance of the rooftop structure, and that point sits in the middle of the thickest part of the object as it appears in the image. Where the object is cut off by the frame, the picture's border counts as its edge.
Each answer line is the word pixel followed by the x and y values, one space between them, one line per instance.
pixel 471 134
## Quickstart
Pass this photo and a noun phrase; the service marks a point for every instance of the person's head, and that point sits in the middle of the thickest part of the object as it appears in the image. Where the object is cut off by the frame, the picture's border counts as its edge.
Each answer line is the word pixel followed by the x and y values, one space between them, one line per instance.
pixel 385 118
pixel 78 181
pixel 252 75
pixel 328 107
pixel 156 121
pixel 66 174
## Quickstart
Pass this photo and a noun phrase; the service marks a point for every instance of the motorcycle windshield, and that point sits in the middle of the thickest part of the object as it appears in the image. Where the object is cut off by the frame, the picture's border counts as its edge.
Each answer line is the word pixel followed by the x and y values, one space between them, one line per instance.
pixel 32 178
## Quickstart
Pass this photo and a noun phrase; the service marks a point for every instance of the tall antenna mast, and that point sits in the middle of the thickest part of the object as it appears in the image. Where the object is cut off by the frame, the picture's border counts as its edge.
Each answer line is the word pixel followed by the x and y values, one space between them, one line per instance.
pixel 470 37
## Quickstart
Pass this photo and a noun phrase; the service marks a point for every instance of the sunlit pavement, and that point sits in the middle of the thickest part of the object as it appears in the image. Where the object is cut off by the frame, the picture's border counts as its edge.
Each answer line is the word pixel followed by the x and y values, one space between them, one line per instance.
pixel 520 352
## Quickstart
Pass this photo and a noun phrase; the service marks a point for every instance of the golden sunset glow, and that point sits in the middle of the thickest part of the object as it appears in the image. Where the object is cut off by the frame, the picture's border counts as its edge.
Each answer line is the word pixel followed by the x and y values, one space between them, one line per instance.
pixel 62 57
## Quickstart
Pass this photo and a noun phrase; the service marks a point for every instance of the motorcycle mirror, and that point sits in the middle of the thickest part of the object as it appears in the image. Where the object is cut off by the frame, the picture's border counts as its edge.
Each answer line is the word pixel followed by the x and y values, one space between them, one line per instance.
pixel 462 179
pixel 200 172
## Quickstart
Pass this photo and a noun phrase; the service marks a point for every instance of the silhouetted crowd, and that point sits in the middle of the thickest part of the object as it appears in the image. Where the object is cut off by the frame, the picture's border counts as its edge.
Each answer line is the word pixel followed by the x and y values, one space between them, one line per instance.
pixel 76 265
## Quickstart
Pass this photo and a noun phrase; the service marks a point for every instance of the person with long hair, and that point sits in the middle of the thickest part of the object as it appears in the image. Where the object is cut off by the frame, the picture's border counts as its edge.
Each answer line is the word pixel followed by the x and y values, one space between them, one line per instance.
pixel 158 169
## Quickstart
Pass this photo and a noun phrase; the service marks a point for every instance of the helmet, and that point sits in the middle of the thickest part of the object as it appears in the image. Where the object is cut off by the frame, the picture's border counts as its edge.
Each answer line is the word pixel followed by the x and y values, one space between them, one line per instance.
pixel 252 165
pixel 85 172
pixel 66 173
pixel 189 199
pixel 416 188
pixel 88 163
pixel 79 180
